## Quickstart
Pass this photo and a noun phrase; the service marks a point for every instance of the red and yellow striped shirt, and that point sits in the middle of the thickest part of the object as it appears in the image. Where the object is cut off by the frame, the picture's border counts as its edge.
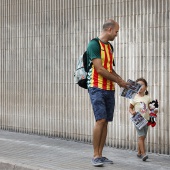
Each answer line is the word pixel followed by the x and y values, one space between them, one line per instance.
pixel 96 80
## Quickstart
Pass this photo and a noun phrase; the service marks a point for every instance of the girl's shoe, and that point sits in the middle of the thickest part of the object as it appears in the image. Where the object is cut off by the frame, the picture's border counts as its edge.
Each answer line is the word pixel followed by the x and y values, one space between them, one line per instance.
pixel 144 157
pixel 139 155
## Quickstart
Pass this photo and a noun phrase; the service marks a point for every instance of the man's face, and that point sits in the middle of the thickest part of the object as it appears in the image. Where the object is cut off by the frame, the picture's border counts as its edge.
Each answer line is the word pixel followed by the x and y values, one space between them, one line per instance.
pixel 114 32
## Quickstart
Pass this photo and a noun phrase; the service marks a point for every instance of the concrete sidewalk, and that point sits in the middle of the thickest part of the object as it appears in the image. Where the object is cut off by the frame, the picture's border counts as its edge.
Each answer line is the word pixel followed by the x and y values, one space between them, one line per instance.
pixel 29 152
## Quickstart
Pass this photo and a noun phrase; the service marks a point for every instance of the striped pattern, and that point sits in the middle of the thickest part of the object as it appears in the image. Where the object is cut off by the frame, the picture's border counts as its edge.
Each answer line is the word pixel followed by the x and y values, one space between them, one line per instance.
pixel 107 62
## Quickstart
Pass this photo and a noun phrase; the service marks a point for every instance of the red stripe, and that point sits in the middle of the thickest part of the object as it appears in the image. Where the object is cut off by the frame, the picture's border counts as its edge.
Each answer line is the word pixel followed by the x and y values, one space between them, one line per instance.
pixel 111 57
pixel 104 81
pixel 111 63
pixel 95 77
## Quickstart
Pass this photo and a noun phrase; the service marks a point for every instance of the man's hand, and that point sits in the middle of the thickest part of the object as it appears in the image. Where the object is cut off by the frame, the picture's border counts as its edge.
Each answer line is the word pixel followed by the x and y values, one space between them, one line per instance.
pixel 123 84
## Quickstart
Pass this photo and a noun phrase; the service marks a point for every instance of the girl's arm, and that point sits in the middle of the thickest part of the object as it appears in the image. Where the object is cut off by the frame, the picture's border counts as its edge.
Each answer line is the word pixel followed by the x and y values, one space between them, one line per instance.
pixel 149 107
pixel 131 109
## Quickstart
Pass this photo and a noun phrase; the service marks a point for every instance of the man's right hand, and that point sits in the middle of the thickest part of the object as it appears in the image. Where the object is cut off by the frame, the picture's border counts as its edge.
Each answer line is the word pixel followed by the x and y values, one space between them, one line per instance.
pixel 123 84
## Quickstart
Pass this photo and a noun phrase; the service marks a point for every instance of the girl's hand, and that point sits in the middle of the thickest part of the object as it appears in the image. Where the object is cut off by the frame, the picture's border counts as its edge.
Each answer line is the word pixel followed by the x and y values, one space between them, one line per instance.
pixel 131 110
pixel 156 110
pixel 133 113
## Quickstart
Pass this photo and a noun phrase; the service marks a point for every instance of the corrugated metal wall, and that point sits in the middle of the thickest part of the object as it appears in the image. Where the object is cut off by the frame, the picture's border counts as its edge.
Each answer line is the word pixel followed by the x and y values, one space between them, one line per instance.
pixel 40 41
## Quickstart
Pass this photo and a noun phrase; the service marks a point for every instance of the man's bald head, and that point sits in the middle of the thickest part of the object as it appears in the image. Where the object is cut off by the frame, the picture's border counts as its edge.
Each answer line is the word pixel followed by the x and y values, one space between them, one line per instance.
pixel 110 30
pixel 109 24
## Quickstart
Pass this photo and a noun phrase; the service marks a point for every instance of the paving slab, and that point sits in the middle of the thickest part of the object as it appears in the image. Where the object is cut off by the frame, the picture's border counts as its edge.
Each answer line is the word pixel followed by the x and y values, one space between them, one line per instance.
pixel 19 151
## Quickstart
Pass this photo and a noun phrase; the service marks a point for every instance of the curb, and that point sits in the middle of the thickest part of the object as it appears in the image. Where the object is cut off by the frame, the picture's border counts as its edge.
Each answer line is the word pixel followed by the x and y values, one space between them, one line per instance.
pixel 9 165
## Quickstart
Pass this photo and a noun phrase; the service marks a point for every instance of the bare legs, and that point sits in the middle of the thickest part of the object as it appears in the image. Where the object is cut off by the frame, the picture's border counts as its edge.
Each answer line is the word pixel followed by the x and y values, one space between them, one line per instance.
pixel 141 145
pixel 99 137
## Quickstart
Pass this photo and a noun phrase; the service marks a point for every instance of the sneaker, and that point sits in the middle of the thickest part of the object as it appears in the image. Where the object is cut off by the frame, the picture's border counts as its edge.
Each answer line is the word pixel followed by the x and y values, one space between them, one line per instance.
pixel 139 156
pixel 106 160
pixel 144 158
pixel 97 162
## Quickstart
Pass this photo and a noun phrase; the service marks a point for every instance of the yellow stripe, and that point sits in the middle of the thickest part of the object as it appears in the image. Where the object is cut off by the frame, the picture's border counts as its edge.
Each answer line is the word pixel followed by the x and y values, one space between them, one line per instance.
pixel 100 78
pixel 108 58
pixel 108 65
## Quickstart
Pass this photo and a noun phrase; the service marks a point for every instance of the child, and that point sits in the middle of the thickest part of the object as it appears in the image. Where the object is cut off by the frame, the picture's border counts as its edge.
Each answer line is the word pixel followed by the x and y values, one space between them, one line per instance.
pixel 140 103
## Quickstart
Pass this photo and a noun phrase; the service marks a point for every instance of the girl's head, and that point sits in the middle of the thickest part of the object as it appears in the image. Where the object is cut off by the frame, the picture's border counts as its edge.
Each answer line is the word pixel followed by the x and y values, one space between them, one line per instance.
pixel 144 84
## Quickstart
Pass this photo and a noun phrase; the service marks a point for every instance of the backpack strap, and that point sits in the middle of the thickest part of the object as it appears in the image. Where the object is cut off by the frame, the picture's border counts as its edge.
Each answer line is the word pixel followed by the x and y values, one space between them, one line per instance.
pixel 89 67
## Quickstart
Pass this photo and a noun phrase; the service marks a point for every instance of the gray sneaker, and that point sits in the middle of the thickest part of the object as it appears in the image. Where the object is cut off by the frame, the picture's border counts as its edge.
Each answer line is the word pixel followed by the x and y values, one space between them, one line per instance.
pixel 106 160
pixel 139 156
pixel 97 162
pixel 144 157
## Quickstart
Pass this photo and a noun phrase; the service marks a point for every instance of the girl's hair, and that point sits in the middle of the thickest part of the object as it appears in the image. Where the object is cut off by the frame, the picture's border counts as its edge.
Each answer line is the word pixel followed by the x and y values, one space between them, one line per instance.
pixel 145 82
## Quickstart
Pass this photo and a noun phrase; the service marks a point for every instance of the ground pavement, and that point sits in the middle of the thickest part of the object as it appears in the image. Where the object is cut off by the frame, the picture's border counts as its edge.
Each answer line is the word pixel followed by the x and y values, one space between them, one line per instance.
pixel 20 151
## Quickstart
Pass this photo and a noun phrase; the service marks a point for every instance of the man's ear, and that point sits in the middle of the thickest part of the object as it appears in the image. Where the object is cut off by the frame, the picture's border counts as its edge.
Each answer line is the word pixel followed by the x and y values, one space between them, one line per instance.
pixel 109 29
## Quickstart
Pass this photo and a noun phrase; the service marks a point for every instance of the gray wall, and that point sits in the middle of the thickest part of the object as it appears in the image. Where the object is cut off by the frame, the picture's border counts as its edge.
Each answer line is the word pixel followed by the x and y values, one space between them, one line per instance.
pixel 40 41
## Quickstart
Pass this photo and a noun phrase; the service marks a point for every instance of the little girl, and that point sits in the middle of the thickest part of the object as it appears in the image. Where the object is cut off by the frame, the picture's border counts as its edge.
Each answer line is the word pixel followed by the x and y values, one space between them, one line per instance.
pixel 140 103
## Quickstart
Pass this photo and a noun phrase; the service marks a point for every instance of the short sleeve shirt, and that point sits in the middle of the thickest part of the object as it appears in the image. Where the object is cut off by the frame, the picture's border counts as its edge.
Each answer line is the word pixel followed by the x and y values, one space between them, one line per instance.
pixel 141 105
pixel 105 53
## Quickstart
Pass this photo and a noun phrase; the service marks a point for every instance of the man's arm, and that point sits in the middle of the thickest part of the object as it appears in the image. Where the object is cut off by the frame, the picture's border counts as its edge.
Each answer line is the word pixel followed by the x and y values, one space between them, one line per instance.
pixel 115 74
pixel 109 76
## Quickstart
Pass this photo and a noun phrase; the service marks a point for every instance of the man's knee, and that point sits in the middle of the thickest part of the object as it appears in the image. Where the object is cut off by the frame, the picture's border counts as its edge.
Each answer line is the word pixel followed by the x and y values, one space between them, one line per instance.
pixel 101 121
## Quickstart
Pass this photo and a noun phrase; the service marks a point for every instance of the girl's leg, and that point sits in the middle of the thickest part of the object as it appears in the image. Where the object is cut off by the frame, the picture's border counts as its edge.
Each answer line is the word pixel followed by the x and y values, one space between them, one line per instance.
pixel 139 151
pixel 142 148
pixel 141 145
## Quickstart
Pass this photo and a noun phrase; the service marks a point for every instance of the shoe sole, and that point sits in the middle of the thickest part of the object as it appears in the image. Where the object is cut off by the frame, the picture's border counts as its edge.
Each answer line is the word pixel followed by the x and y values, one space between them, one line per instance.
pixel 97 165
pixel 108 162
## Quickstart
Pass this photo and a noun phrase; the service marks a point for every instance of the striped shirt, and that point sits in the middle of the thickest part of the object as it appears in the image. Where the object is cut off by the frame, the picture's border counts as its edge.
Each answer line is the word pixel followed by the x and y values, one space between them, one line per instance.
pixel 104 52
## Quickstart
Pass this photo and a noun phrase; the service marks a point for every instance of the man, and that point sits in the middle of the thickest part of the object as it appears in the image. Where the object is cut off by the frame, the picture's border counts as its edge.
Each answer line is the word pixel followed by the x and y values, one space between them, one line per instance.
pixel 101 78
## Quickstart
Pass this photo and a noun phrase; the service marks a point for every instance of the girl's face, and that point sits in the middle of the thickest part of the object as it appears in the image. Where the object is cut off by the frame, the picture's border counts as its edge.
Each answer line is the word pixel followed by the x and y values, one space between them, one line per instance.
pixel 143 88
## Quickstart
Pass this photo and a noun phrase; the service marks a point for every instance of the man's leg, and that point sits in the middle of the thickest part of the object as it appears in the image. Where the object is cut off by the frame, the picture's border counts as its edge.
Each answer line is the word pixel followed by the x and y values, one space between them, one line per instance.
pixel 98 136
pixel 102 143
pixel 103 138
pixel 109 104
pixel 97 97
